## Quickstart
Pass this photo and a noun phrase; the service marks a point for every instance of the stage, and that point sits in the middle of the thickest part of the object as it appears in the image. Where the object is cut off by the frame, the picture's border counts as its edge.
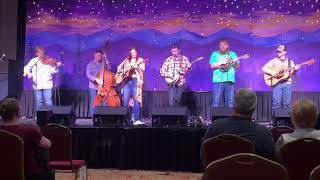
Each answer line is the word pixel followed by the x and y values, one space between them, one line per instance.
pixel 198 103
pixel 147 147
pixel 176 149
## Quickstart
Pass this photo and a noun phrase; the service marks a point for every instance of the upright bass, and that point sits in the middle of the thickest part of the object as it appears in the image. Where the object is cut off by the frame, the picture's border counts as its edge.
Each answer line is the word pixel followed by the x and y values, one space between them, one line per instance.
pixel 106 93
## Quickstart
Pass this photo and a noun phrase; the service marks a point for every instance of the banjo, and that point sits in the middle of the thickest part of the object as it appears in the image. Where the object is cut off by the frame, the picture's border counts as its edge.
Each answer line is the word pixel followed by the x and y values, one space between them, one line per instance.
pixel 174 74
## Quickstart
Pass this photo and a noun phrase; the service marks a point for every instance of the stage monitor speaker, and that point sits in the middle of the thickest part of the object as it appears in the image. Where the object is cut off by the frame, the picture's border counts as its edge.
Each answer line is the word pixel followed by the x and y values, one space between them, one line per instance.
pixel 281 113
pixel 44 115
pixel 169 116
pixel 111 116
pixel 63 115
pixel 281 116
pixel 220 112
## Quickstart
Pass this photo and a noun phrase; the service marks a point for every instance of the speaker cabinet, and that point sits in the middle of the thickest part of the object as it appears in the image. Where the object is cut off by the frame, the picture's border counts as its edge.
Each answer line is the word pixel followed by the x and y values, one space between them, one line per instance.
pixel 44 116
pixel 111 116
pixel 281 116
pixel 169 116
pixel 63 115
pixel 220 112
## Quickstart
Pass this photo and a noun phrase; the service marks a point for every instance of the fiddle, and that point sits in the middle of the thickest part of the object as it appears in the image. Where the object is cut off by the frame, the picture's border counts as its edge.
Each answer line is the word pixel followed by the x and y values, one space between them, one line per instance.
pixel 50 61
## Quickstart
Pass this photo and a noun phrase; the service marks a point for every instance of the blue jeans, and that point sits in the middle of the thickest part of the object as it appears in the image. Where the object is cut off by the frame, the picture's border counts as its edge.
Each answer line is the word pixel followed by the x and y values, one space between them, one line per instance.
pixel 175 94
pixel 226 88
pixel 92 94
pixel 281 91
pixel 130 89
pixel 43 97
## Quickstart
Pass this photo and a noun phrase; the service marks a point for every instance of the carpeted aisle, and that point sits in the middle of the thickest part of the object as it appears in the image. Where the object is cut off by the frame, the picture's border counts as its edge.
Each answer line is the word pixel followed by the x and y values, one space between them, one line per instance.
pixel 109 174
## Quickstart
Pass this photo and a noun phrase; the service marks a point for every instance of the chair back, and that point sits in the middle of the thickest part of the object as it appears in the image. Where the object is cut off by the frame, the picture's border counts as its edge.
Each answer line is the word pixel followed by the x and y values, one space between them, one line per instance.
pixel 277 131
pixel 245 166
pixel 300 157
pixel 315 173
pixel 11 156
pixel 61 142
pixel 224 145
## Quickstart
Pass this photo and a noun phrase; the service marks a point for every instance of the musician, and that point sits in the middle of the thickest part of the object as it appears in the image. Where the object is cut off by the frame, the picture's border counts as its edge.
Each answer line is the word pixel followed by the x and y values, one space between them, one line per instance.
pixel 176 63
pixel 40 70
pixel 223 81
pixel 132 85
pixel 92 69
pixel 281 90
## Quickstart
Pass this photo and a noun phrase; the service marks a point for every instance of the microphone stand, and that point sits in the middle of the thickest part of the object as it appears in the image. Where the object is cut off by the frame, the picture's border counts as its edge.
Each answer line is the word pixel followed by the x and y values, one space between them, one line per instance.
pixel 122 84
pixel 57 86
pixel 36 83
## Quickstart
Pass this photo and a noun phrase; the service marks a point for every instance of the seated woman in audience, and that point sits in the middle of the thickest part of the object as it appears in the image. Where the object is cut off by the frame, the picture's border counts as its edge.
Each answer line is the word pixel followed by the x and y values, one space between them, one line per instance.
pixel 304 117
pixel 30 134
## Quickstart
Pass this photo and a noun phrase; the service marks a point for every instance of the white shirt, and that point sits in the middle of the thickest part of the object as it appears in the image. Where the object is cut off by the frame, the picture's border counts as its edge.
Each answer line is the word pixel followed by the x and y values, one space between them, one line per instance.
pixel 133 63
pixel 41 74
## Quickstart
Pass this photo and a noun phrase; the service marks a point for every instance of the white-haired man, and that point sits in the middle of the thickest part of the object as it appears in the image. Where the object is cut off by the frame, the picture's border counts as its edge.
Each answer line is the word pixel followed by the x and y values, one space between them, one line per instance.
pixel 241 124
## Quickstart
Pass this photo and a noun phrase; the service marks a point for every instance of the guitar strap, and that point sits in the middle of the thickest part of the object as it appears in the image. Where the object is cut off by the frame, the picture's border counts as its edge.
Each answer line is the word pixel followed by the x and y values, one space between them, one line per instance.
pixel 289 66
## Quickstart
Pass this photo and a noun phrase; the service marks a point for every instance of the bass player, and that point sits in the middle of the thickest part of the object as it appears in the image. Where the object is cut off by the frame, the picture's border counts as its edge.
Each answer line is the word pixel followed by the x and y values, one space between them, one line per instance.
pixel 176 63
pixel 92 69
pixel 281 90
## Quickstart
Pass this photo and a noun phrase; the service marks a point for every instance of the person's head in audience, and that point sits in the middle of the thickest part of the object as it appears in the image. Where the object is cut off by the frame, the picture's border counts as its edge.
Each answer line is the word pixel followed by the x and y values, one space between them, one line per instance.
pixel 304 114
pixel 244 103
pixel 10 110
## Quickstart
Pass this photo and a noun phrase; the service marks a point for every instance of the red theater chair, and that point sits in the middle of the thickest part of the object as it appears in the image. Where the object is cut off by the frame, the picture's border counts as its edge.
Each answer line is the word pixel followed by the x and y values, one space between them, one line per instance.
pixel 245 166
pixel 11 156
pixel 61 150
pixel 300 157
pixel 224 145
pixel 315 173
pixel 279 130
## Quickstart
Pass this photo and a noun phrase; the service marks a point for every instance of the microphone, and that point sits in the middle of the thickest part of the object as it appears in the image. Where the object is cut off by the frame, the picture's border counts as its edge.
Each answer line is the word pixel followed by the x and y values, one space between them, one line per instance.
pixel 2 57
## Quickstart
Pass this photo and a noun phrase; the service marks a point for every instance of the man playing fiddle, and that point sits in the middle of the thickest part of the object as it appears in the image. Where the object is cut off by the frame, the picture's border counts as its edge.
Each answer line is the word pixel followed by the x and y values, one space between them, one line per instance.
pixel 40 69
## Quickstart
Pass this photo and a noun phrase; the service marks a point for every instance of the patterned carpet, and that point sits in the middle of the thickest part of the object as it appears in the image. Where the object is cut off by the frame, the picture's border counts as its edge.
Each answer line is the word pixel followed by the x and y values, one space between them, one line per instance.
pixel 104 174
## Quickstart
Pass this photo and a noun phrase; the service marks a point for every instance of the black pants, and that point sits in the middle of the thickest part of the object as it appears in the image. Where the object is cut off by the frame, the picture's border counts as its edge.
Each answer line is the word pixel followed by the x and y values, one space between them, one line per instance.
pixel 42 158
pixel 45 175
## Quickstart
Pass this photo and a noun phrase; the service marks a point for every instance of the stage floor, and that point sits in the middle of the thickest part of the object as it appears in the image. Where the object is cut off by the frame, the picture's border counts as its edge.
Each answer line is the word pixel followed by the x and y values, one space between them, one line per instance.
pixel 87 122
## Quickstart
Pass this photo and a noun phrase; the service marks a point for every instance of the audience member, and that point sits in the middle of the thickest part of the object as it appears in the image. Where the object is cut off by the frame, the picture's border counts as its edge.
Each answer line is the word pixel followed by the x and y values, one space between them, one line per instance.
pixel 304 116
pixel 32 137
pixel 241 124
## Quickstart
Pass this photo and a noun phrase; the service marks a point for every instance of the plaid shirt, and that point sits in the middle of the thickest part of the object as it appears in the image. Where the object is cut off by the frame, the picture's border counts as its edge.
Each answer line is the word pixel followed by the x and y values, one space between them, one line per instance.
pixel 182 65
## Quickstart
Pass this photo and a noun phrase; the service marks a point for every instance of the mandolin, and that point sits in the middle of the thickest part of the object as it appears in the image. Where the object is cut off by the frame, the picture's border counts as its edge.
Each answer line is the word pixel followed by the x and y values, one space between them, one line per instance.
pixel 225 66
pixel 282 74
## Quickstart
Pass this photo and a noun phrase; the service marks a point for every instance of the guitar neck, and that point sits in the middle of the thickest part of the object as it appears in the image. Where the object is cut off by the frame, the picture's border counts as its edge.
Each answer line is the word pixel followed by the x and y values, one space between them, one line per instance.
pixel 236 59
pixel 198 59
pixel 291 68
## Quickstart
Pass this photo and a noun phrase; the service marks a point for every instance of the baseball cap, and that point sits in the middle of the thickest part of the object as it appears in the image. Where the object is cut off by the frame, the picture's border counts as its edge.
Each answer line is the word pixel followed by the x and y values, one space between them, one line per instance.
pixel 281 48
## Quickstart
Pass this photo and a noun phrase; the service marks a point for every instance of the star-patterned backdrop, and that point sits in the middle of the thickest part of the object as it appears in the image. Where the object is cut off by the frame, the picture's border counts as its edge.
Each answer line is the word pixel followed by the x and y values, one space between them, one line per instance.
pixel 71 30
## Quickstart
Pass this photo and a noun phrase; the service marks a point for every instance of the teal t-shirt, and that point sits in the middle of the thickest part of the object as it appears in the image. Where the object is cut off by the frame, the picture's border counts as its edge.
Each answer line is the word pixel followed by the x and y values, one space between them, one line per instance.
pixel 218 75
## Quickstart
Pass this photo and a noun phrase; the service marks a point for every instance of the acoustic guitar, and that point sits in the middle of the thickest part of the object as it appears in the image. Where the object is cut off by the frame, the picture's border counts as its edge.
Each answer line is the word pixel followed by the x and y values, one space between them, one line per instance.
pixel 123 74
pixel 282 74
